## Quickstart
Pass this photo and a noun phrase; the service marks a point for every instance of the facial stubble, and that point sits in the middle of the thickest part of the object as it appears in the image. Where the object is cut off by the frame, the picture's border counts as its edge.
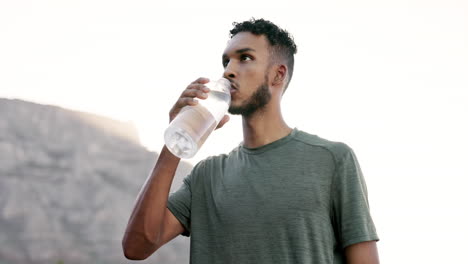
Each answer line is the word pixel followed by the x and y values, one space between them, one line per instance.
pixel 256 102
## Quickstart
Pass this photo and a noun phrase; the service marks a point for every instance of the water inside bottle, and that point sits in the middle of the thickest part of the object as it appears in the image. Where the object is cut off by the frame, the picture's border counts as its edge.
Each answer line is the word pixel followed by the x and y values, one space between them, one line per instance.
pixel 218 103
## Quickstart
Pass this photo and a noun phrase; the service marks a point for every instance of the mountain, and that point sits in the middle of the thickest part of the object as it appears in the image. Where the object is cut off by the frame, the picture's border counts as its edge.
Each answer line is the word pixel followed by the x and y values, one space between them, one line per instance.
pixel 68 182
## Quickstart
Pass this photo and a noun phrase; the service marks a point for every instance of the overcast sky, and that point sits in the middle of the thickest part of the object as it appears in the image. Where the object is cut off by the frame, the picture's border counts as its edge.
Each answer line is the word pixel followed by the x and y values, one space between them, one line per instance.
pixel 388 78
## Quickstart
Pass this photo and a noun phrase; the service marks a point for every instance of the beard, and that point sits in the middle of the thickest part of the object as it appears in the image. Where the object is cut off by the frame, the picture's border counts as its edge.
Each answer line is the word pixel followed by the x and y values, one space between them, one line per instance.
pixel 256 102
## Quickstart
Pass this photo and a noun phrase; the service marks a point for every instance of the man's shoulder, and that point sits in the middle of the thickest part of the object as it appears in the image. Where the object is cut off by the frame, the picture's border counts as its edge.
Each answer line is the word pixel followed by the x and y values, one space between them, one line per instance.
pixel 336 148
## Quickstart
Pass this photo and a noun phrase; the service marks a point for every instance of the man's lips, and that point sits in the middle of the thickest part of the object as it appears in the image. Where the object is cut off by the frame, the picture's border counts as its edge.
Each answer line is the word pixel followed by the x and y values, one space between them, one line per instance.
pixel 233 87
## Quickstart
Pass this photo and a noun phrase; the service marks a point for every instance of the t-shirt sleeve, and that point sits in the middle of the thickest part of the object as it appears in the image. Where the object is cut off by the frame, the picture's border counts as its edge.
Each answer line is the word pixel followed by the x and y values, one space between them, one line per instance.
pixel 179 203
pixel 351 215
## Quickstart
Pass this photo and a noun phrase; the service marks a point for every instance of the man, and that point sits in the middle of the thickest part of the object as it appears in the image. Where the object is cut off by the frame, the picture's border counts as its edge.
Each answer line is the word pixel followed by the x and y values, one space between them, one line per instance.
pixel 282 196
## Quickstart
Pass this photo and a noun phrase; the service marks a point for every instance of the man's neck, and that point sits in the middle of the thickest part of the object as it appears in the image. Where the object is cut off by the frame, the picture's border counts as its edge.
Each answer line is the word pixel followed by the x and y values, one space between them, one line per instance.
pixel 264 127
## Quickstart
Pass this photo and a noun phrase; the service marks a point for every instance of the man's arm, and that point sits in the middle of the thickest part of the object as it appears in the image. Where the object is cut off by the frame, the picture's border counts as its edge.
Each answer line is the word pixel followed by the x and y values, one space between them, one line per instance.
pixel 362 253
pixel 151 224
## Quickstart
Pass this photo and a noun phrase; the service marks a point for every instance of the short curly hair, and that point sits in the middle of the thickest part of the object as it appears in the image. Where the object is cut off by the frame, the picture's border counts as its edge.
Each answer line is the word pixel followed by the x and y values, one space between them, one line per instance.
pixel 282 44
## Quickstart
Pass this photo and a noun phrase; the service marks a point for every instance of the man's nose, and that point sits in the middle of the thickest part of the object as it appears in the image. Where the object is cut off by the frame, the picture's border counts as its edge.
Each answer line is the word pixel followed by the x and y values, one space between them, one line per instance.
pixel 230 71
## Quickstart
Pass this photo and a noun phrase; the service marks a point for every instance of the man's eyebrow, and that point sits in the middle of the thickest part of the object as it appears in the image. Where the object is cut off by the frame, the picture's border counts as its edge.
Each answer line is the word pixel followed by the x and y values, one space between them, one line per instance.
pixel 244 50
pixel 239 51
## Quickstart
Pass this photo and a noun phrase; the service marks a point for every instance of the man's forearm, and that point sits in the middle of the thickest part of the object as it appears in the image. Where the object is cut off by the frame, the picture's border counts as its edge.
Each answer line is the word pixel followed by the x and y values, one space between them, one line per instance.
pixel 145 224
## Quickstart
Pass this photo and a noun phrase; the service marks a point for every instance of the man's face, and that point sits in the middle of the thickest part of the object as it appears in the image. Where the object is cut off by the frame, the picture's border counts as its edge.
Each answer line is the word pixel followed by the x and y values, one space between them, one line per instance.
pixel 246 63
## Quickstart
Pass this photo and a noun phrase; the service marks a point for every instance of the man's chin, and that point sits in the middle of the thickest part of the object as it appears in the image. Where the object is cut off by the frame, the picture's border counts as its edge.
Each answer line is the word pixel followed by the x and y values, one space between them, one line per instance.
pixel 235 110
pixel 257 101
pixel 242 110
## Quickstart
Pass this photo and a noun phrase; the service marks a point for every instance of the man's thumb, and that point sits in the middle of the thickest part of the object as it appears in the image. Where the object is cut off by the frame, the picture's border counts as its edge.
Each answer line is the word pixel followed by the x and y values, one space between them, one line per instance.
pixel 223 121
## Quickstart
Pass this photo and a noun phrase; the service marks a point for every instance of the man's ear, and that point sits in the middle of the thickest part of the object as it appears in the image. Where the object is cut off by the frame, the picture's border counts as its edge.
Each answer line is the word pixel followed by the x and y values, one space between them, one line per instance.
pixel 280 75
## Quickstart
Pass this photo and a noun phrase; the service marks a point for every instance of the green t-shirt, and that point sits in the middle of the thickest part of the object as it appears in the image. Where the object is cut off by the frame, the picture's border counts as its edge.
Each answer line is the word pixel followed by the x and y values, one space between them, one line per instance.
pixel 301 199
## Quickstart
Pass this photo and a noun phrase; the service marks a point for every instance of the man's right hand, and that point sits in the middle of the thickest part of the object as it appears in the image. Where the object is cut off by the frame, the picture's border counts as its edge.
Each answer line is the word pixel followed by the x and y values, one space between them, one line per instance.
pixel 196 89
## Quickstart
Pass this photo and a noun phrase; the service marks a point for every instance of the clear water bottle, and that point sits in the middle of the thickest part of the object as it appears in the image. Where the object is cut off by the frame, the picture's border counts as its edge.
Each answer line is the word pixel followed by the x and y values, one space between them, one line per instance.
pixel 192 126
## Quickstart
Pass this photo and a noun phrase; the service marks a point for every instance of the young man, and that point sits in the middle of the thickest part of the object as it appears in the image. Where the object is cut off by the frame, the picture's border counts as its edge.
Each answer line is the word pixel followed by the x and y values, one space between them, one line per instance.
pixel 282 196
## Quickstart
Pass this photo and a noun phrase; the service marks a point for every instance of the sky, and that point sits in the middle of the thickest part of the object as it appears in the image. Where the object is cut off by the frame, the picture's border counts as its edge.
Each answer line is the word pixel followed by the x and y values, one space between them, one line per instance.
pixel 388 78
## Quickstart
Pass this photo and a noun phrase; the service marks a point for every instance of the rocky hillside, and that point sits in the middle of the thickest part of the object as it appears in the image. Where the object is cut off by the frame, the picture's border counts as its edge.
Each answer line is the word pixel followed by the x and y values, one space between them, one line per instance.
pixel 68 181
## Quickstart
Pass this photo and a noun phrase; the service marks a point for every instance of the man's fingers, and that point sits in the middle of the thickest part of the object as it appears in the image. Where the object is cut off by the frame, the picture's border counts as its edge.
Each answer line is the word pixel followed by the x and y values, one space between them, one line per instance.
pixel 198 86
pixel 194 93
pixel 201 80
pixel 196 89
pixel 183 101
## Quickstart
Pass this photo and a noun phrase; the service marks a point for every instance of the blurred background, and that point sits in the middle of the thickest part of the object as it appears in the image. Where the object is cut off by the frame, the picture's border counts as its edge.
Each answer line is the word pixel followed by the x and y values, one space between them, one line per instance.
pixel 86 87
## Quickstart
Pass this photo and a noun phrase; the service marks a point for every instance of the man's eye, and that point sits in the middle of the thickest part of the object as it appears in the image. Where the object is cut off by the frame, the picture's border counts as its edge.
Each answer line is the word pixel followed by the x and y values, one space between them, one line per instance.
pixel 225 63
pixel 245 58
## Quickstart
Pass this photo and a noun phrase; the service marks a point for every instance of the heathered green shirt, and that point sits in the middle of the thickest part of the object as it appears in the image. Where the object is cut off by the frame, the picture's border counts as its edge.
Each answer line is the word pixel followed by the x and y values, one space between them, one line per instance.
pixel 301 199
